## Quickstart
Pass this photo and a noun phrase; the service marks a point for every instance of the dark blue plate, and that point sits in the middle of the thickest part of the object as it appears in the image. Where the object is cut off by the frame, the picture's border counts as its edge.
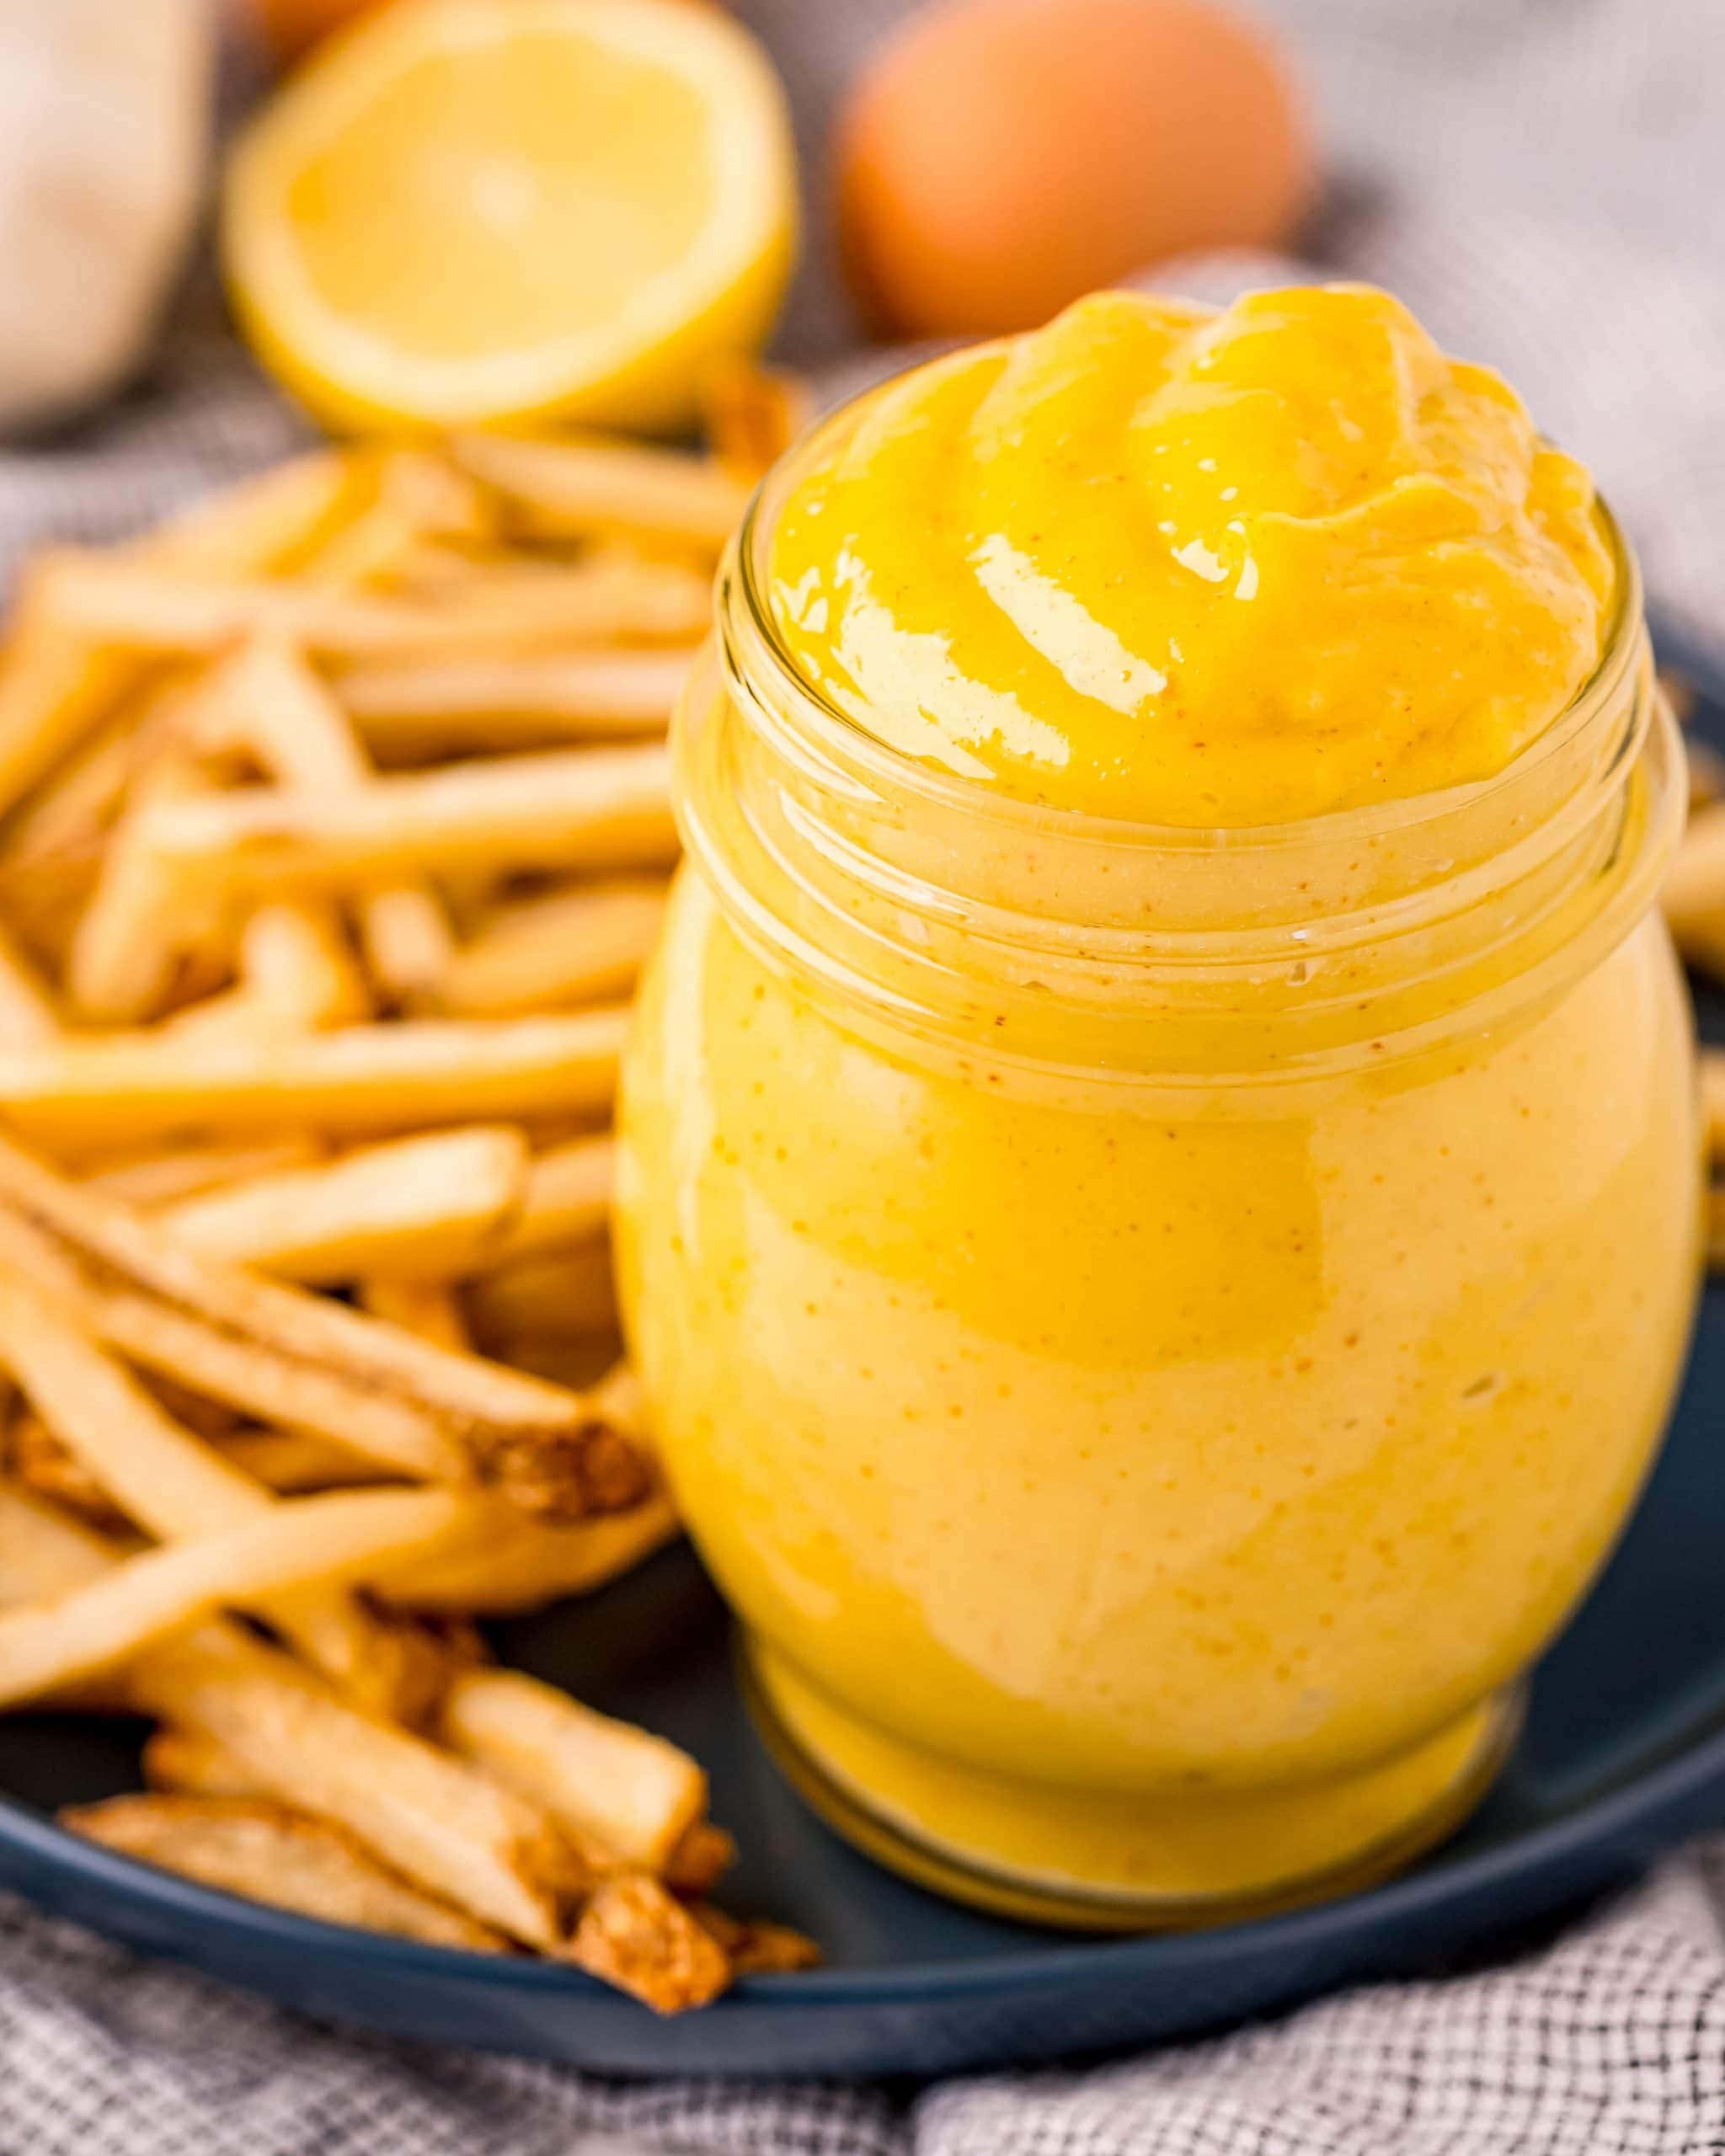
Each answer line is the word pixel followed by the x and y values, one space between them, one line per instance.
pixel 1624 1752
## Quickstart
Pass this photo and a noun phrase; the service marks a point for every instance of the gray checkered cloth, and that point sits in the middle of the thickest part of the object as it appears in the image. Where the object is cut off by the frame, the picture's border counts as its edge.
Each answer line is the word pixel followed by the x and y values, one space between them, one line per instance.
pixel 1542 179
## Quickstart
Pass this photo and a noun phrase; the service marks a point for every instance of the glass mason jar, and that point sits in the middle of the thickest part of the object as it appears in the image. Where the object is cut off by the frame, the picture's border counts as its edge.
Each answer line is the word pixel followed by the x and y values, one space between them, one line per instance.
pixel 1153 1329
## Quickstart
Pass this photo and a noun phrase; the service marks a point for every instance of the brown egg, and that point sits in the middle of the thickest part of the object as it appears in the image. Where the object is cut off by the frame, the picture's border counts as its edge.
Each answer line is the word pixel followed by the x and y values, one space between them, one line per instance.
pixel 1001 156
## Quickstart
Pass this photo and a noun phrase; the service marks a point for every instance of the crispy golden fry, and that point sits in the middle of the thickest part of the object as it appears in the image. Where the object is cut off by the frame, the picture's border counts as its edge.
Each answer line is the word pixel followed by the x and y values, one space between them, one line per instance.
pixel 298 974
pixel 700 1860
pixel 131 937
pixel 408 940
pixel 429 1310
pixel 295 962
pixel 286 1355
pixel 175 1487
pixel 110 601
pixel 634 1792
pixel 598 808
pixel 300 1542
pixel 28 1018
pixel 303 738
pixel 56 683
pixel 1712 1086
pixel 524 1564
pixel 581 486
pixel 479 1846
pixel 47 1467
pixel 567 1199
pixel 433 1818
pixel 78 804
pixel 156 1178
pixel 267 1852
pixel 634 1935
pixel 44 1553
pixel 185 1763
pixel 549 1294
pixel 533 701
pixel 1679 692
pixel 358 1078
pixel 755 1947
pixel 290 1463
pixel 417 495
pixel 1706 775
pixel 423 1207
pixel 586 944
pixel 273 521
pixel 1694 895
pixel 751 416
pixel 55 688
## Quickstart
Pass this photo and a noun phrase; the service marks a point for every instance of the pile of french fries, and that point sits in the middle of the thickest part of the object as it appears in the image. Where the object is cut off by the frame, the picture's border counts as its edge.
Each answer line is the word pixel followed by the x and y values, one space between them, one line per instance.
pixel 333 830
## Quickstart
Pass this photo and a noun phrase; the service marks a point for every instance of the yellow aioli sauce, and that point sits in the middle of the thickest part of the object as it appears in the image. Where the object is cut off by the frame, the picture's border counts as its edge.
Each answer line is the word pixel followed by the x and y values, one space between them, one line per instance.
pixel 1139 1489
pixel 1192 567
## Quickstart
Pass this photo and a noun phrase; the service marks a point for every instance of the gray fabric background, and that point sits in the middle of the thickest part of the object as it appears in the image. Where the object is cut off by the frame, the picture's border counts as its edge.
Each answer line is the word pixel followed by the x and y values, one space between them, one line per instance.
pixel 1544 180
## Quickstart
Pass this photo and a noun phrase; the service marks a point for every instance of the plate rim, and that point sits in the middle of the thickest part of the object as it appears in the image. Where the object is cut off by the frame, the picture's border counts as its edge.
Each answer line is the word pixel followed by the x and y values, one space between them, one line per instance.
pixel 1635 1802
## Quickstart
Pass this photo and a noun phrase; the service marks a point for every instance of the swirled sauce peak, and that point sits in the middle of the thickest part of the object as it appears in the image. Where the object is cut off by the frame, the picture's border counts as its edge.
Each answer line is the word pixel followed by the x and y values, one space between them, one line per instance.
pixel 1180 566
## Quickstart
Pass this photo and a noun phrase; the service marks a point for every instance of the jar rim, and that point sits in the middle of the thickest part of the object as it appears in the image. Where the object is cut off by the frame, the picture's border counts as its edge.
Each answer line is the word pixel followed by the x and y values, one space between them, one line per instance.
pixel 748 569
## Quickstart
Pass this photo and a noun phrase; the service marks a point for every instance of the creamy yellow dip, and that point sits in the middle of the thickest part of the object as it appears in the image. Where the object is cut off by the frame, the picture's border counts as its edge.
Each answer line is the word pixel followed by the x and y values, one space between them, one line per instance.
pixel 1136 1486
pixel 1183 567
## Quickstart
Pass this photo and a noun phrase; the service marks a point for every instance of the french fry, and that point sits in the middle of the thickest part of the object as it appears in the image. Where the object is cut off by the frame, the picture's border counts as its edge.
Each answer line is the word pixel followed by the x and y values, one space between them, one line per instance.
pixel 408 940
pixel 56 683
pixel 109 601
pixel 434 1818
pixel 1712 1086
pixel 186 1763
pixel 44 1554
pixel 170 1483
pixel 272 521
pixel 303 739
pixel 635 1936
pixel 157 1178
pixel 533 701
pixel 266 1852
pixel 287 1355
pixel 637 1793
pixel 28 1018
pixel 480 1847
pixel 524 1564
pixel 587 944
pixel 598 809
pixel 47 1467
pixel 547 1295
pixel 1707 774
pixel 290 1463
pixel 756 1947
pixel 429 1310
pixel 584 486
pixel 700 1860
pixel 129 1089
pixel 139 922
pixel 752 414
pixel 296 963
pixel 419 1207
pixel 1694 894
pixel 567 1199
pixel 297 975
pixel 77 806
pixel 299 1542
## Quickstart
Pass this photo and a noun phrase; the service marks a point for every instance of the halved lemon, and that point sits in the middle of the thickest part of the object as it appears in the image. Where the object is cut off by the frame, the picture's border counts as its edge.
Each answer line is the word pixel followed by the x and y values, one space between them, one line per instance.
pixel 471 212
